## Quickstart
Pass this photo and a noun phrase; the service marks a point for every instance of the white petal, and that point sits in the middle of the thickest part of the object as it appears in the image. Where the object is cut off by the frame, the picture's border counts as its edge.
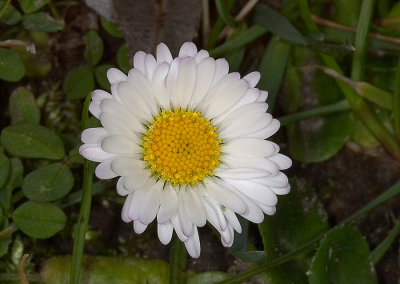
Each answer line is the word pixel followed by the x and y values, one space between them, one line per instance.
pixel 165 231
pixel 137 200
pixel 201 55
pixel 249 148
pixel 178 229
pixel 255 191
pixel 138 61
pixel 252 78
pixel 269 210
pixel 194 208
pixel 233 220
pixel 281 160
pixel 170 81
pixel 150 204
pixel 221 70
pixel 256 163
pixel 227 236
pixel 204 78
pixel 133 101
pixel 139 227
pixel 187 49
pixel 149 66
pixel 185 81
pixel 216 207
pixel 163 54
pixel 158 84
pixel 240 173
pixel 227 196
pixel 226 97
pixel 193 244
pixel 211 214
pixel 119 144
pixel 94 153
pixel 94 108
pixel 93 135
pixel 138 180
pixel 125 209
pixel 279 180
pixel 99 95
pixel 139 82
pixel 121 190
pixel 186 224
pixel 115 76
pixel 281 190
pixel 104 170
pixel 263 96
pixel 169 203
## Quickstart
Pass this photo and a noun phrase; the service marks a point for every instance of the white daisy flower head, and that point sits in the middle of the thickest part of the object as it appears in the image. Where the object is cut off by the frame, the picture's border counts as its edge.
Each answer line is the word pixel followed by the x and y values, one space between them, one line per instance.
pixel 187 140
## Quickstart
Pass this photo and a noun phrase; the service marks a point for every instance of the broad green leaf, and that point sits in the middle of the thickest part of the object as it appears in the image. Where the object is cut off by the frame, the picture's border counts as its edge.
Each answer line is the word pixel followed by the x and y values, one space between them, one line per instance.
pixel 31 6
pixel 10 16
pixel 42 22
pixel 278 24
pixel 32 141
pixel 343 257
pixel 123 59
pixel 5 239
pixel 304 219
pixel 14 180
pixel 78 83
pixel 93 47
pixel 317 140
pixel 12 69
pixel 48 183
pixel 101 76
pixel 23 107
pixel 39 219
pixel 208 277
pixel 4 169
pixel 107 270
pixel 111 28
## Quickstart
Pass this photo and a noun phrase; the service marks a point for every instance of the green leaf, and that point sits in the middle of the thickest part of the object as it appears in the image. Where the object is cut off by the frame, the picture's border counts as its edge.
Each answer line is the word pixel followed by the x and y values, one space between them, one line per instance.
pixel 42 22
pixel 39 219
pixel 208 277
pixel 123 59
pixel 31 6
pixel 32 141
pixel 321 138
pixel 93 47
pixel 101 76
pixel 111 28
pixel 48 183
pixel 12 69
pixel 10 15
pixel 278 24
pixel 23 107
pixel 78 83
pixel 14 180
pixel 343 257
pixel 4 169
pixel 107 270
pixel 304 219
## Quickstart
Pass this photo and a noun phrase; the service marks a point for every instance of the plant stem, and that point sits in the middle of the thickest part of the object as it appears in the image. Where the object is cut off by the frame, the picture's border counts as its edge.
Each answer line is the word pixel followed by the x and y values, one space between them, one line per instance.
pixel 83 220
pixel 396 104
pixel 382 248
pixel 177 262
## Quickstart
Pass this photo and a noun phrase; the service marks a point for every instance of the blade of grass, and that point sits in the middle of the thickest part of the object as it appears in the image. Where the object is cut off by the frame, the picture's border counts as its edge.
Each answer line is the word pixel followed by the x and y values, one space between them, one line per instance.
pixel 272 68
pixel 305 12
pixel 244 38
pixel 318 111
pixel 257 269
pixel 223 9
pixel 383 247
pixel 219 24
pixel 84 213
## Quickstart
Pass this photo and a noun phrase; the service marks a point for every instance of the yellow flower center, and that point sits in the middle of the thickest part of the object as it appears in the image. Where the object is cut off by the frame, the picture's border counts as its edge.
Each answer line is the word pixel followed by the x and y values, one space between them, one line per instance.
pixel 181 146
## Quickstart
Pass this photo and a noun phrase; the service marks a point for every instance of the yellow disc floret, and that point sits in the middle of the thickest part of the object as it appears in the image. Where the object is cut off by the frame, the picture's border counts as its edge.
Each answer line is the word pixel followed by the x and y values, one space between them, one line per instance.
pixel 181 146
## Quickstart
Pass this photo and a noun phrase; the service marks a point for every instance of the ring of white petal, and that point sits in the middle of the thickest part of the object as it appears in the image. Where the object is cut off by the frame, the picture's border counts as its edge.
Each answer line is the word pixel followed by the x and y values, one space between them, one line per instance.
pixel 181 147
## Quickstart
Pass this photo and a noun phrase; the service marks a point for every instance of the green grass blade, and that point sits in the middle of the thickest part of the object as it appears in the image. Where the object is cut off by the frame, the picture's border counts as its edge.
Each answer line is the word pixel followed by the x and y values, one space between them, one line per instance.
pixel 223 9
pixel 396 104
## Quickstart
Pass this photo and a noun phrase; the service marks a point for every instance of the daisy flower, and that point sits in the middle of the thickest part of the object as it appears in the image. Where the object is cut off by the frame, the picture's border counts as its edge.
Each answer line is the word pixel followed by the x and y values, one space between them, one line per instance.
pixel 187 140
